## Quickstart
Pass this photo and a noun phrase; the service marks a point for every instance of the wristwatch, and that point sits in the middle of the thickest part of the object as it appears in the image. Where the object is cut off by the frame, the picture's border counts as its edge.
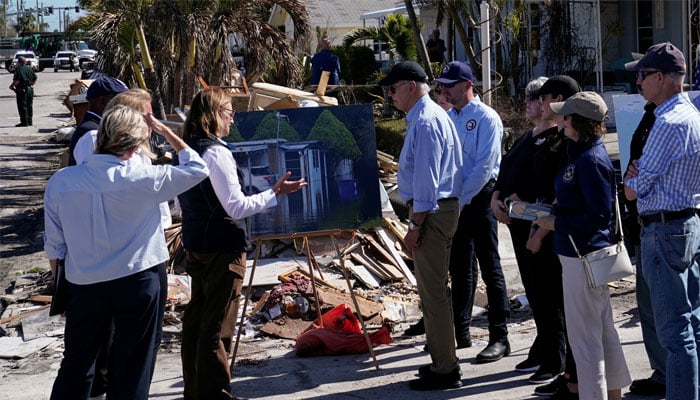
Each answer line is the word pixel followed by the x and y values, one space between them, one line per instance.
pixel 412 226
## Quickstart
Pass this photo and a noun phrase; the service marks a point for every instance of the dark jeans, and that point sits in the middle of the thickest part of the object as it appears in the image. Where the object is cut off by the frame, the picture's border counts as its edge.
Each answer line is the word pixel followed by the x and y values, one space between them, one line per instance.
pixel 477 234
pixel 131 303
pixel 209 322
pixel 541 276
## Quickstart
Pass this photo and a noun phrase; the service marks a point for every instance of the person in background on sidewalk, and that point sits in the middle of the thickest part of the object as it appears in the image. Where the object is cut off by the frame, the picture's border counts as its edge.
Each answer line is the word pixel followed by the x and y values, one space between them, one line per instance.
pixel 430 182
pixel 325 60
pixel 99 93
pixel 584 214
pixel 540 270
pixel 436 47
pixel 665 181
pixel 23 85
pixel 214 235
pixel 118 255
pixel 480 131
pixel 656 383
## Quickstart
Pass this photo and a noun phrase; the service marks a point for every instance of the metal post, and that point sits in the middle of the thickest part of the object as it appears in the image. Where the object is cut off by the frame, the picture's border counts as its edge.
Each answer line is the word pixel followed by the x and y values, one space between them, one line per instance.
pixel 485 53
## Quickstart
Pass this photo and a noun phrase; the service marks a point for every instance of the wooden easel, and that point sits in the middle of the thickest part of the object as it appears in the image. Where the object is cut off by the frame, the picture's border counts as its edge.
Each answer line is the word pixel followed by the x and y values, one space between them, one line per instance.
pixel 312 263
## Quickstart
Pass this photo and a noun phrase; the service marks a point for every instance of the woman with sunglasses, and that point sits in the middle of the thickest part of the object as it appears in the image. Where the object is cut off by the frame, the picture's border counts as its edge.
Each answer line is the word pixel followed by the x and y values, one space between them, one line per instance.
pixel 540 271
pixel 213 233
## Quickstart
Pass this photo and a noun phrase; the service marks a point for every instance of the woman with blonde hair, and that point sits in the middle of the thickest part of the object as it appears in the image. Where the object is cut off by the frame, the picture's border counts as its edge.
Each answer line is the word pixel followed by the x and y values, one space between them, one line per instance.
pixel 102 218
pixel 213 233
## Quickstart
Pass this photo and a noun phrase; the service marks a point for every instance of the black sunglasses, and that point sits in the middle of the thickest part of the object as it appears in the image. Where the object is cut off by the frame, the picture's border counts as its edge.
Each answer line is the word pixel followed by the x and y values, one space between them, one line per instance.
pixel 641 75
pixel 450 85
pixel 392 88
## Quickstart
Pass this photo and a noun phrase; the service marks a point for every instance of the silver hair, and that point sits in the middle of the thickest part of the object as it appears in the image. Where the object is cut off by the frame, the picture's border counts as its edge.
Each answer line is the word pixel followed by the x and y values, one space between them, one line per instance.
pixel 534 85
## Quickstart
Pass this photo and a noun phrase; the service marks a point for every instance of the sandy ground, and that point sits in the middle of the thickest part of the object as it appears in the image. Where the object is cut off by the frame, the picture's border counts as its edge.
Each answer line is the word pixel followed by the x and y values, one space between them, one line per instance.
pixel 268 368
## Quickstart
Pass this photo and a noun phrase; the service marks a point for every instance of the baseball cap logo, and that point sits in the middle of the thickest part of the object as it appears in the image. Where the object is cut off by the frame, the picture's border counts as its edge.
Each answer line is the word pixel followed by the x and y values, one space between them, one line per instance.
pixel 445 69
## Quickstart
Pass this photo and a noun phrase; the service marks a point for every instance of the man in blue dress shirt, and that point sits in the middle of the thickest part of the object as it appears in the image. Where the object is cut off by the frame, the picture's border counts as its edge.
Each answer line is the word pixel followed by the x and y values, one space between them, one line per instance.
pixel 430 182
pixel 480 131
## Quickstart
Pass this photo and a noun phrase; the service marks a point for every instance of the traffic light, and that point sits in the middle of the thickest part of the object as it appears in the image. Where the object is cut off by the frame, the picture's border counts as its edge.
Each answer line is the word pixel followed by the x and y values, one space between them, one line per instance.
pixel 77 8
pixel 50 10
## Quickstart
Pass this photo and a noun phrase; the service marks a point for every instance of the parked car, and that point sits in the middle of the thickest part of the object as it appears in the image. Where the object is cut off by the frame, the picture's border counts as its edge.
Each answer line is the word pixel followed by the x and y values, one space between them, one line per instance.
pixel 32 60
pixel 65 60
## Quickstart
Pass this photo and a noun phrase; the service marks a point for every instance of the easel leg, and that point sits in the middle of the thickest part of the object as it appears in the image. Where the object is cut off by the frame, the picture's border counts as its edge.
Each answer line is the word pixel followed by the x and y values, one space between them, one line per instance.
pixel 341 258
pixel 309 258
pixel 258 244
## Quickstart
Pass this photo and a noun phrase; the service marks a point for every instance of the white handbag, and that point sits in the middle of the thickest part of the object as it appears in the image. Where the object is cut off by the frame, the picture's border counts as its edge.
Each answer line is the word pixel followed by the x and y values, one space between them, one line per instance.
pixel 609 263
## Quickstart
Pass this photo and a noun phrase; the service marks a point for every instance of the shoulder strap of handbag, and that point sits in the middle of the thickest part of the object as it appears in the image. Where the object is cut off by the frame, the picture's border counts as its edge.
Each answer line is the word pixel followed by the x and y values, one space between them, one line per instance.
pixel 618 226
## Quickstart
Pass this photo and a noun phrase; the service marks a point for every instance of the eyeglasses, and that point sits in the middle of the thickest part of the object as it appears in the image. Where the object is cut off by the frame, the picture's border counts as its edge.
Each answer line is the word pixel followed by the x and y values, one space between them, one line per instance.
pixel 228 112
pixel 392 88
pixel 641 75
pixel 450 85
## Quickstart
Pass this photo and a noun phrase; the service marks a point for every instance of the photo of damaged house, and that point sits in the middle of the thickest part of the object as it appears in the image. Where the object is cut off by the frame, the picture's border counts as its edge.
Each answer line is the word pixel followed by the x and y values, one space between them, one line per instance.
pixel 333 148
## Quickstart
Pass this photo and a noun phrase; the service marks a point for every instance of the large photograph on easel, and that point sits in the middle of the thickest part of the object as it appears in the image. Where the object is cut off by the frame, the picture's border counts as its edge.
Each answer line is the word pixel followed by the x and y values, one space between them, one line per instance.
pixel 333 148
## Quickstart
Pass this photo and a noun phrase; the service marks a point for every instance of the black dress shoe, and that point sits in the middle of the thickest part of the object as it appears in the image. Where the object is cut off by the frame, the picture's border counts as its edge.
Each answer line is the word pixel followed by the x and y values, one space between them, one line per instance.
pixel 425 370
pixel 493 352
pixel 647 387
pixel 463 343
pixel 21 124
pixel 416 329
pixel 429 380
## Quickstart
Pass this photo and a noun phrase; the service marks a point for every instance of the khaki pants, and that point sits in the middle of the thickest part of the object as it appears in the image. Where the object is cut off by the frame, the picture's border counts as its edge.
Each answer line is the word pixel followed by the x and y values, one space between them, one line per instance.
pixel 431 262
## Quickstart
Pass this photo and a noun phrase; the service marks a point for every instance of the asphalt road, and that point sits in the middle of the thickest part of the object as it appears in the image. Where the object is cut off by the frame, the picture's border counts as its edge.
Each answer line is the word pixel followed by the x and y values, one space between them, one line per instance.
pixel 266 369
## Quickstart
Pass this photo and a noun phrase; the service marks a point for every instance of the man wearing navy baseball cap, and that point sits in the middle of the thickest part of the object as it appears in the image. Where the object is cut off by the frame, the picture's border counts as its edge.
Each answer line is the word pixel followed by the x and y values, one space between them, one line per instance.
pixel 99 93
pixel 480 130
pixel 666 181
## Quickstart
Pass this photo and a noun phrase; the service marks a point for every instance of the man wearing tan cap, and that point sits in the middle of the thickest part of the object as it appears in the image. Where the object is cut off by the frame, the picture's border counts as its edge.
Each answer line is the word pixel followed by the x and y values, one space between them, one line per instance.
pixel 665 181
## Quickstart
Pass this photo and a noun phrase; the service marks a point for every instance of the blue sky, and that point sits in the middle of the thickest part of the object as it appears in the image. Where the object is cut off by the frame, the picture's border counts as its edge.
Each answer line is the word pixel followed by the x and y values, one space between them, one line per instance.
pixel 58 5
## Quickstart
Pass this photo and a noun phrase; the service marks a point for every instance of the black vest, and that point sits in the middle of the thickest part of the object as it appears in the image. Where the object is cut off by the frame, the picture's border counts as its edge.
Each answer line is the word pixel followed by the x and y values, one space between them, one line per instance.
pixel 90 122
pixel 206 227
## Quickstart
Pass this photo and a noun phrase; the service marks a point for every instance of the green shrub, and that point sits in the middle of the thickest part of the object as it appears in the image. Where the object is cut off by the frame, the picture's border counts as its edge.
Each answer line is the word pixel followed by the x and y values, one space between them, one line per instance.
pixel 356 64
pixel 390 134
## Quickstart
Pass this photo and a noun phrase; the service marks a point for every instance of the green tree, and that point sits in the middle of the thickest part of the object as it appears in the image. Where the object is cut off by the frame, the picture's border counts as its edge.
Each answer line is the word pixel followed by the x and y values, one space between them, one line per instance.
pixel 172 43
pixel 335 136
pixel 396 31
pixel 267 129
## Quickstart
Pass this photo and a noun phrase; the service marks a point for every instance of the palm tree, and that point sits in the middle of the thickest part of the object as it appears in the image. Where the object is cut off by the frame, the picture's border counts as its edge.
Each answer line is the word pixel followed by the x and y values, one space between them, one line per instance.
pixel 189 39
pixel 396 31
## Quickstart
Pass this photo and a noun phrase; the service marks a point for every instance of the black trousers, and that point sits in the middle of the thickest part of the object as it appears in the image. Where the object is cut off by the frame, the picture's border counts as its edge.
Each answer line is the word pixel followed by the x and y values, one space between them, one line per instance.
pixel 25 105
pixel 541 276
pixel 131 303
pixel 209 323
pixel 477 234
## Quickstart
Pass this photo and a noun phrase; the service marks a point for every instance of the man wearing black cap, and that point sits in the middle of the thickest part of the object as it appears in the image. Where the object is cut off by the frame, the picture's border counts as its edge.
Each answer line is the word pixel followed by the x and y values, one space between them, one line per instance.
pixel 666 183
pixel 480 131
pixel 99 93
pixel 430 182
pixel 23 86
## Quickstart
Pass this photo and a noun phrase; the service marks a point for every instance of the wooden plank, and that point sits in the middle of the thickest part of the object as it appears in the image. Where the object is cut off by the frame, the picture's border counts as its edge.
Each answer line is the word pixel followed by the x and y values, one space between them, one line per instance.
pixel 361 273
pixel 384 237
pixel 379 248
pixel 279 92
pixel 371 266
pixel 333 297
